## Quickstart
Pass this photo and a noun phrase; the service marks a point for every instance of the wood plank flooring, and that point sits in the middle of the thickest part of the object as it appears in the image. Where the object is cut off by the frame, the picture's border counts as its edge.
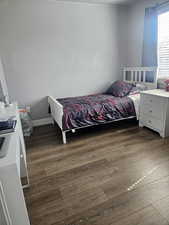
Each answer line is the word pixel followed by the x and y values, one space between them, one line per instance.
pixel 115 174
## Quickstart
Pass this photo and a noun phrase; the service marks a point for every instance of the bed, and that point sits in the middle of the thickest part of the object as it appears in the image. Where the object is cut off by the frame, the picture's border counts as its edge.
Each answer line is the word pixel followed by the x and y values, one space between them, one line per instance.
pixel 73 113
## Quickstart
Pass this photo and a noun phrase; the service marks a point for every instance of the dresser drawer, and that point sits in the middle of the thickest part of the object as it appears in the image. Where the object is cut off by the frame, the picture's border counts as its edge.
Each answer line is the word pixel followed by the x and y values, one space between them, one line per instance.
pixel 152 122
pixel 152 110
pixel 154 101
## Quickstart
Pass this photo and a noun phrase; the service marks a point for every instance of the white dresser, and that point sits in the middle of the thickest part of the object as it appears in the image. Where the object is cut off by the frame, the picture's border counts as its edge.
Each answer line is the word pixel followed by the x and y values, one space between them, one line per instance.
pixel 154 111
pixel 13 167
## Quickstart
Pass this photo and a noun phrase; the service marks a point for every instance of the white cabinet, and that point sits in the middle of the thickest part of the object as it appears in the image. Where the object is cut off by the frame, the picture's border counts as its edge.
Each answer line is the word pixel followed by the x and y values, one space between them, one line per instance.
pixel 154 111
pixel 12 167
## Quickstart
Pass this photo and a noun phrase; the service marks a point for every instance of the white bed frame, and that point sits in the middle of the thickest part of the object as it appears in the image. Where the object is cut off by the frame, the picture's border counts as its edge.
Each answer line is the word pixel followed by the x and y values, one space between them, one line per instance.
pixel 130 74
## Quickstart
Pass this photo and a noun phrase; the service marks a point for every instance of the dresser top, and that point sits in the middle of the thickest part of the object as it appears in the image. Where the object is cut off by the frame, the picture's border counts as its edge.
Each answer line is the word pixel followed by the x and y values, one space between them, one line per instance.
pixel 10 143
pixel 157 92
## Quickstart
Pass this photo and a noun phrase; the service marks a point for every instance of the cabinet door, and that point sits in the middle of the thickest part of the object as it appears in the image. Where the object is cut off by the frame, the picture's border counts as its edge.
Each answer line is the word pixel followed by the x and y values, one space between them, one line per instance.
pixel 4 213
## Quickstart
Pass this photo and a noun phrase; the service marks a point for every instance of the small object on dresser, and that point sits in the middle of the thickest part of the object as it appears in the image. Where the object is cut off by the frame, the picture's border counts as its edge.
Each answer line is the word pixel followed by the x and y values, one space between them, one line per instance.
pixel 1 141
pixel 7 126
pixel 167 85
pixel 26 121
pixel 4 141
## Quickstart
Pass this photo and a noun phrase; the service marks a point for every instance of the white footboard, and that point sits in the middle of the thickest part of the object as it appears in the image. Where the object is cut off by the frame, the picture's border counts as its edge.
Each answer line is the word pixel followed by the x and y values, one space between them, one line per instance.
pixel 56 110
pixel 57 114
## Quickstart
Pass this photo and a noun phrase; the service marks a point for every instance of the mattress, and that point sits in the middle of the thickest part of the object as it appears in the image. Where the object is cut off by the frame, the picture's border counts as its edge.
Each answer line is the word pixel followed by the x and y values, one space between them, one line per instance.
pixel 95 109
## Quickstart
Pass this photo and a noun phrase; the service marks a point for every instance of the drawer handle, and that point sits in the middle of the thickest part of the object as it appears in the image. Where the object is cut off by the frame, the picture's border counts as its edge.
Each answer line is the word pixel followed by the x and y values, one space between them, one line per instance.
pixel 149 121
pixel 151 100
pixel 150 111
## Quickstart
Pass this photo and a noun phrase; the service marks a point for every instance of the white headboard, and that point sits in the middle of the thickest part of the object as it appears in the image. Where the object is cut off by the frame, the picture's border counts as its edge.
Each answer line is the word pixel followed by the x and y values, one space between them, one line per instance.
pixel 140 75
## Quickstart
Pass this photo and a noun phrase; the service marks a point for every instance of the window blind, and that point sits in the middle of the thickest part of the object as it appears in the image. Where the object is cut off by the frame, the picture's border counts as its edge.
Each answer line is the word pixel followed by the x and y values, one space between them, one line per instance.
pixel 163 44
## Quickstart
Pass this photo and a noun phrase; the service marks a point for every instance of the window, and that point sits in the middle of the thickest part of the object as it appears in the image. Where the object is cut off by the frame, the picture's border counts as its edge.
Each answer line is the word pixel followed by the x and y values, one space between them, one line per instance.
pixel 163 44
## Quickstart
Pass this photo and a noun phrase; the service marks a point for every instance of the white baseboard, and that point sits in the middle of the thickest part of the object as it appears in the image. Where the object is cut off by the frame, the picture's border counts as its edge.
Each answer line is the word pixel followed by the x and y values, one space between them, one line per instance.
pixel 41 122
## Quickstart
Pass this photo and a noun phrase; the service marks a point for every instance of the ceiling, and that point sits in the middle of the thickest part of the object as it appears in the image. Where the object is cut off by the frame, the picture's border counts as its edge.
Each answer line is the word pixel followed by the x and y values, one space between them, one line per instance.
pixel 93 1
pixel 102 1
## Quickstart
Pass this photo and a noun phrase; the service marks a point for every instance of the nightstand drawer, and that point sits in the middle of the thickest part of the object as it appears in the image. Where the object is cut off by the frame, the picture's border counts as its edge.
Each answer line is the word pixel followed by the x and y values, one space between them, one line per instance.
pixel 152 122
pixel 153 101
pixel 152 110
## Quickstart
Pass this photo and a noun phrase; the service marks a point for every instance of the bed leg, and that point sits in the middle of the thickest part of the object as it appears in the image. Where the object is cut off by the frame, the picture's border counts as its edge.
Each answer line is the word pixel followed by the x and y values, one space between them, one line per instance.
pixel 64 137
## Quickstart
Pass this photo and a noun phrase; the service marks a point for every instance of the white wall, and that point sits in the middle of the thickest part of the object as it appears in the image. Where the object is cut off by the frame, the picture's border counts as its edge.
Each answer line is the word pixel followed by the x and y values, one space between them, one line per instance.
pixel 135 33
pixel 2 216
pixel 58 48
pixel 123 35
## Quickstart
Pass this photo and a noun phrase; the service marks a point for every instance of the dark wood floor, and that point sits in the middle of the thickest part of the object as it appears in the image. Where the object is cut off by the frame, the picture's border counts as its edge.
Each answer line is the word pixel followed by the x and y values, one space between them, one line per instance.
pixel 110 175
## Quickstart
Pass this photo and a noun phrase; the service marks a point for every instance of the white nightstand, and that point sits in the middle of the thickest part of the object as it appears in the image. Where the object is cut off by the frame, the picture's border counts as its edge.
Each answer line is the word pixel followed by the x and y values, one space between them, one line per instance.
pixel 154 111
